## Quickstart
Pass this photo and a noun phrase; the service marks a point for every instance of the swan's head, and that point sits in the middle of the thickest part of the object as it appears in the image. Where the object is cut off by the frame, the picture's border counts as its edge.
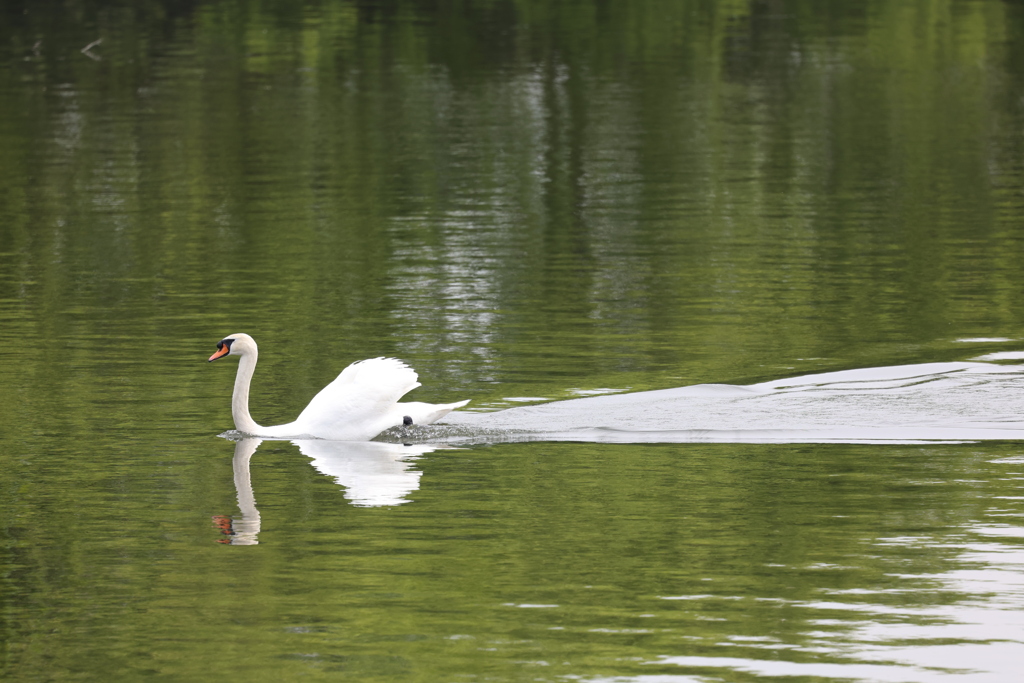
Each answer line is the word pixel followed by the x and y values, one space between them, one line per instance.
pixel 234 345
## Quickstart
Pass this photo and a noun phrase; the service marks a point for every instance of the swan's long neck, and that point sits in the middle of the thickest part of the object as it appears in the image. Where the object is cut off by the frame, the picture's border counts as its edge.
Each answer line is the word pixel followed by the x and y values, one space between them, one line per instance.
pixel 240 397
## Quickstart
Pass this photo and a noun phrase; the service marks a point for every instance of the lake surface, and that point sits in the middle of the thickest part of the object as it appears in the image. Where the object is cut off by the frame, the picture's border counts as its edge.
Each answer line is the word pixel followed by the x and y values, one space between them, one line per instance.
pixel 770 251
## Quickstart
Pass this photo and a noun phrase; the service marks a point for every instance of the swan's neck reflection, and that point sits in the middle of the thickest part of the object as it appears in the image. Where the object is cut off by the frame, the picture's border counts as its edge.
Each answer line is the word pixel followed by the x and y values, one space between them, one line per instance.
pixel 371 474
pixel 243 530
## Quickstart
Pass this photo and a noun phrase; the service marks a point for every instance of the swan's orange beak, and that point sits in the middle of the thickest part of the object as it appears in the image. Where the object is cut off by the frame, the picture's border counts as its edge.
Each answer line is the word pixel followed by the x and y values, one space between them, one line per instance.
pixel 222 350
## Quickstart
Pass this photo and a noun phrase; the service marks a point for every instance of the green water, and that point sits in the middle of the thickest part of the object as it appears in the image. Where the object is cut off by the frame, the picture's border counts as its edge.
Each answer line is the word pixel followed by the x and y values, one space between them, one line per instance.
pixel 524 200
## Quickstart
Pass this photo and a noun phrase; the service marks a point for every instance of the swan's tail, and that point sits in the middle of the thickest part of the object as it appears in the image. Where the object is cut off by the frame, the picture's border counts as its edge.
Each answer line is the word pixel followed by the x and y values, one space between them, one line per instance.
pixel 427 413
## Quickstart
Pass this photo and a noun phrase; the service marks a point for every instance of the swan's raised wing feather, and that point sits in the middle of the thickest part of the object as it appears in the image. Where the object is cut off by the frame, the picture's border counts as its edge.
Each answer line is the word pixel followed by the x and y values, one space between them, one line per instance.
pixel 355 406
pixel 387 374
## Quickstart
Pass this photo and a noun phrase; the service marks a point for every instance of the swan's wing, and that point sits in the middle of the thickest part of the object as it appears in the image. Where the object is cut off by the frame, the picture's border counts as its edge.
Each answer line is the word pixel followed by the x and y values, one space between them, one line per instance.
pixel 355 405
pixel 378 371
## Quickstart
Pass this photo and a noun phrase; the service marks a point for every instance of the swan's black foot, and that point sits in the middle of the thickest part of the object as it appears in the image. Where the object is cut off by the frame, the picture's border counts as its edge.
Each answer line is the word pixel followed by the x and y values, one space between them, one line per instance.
pixel 407 420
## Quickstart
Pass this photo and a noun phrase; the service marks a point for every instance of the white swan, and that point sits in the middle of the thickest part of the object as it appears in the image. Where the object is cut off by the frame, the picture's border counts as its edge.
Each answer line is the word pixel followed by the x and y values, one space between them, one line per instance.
pixel 357 406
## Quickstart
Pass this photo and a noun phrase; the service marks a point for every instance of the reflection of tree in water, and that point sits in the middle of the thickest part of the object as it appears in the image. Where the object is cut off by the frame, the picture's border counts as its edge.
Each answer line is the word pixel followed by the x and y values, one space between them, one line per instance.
pixel 371 474
pixel 737 186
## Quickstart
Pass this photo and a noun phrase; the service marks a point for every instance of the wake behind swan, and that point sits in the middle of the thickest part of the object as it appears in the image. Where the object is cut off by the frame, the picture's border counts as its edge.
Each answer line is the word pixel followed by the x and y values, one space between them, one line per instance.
pixel 958 401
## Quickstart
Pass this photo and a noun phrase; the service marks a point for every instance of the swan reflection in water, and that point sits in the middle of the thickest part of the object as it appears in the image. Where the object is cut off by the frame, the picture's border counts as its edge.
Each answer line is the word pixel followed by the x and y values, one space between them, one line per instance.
pixel 372 474
pixel 242 530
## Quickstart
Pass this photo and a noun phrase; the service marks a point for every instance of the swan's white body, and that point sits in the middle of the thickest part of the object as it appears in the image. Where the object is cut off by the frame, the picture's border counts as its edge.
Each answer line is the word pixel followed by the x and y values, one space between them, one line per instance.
pixel 357 406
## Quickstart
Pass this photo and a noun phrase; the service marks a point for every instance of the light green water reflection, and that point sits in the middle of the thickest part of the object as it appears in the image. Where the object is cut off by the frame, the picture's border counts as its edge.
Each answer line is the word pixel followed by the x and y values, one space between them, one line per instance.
pixel 522 200
pixel 589 560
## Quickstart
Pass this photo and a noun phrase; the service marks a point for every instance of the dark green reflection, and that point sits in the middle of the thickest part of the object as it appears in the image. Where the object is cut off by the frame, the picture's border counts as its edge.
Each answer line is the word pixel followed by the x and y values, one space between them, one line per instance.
pixel 629 194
